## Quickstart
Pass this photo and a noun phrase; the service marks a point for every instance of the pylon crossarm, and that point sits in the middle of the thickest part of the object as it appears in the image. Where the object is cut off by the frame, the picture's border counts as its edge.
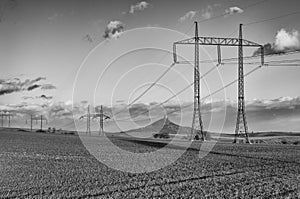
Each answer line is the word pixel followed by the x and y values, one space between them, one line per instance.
pixel 218 41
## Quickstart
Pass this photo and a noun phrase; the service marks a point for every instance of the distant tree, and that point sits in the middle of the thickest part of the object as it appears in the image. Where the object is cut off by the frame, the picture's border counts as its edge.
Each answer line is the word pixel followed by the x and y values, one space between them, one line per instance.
pixel 284 141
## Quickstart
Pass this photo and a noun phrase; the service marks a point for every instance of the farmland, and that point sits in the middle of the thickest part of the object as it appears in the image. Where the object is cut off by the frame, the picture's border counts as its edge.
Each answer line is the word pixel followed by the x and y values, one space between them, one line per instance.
pixel 49 165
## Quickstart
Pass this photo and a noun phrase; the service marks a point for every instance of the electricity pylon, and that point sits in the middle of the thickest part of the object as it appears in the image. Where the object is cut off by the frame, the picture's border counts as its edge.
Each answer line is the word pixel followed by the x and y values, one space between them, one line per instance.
pixel 218 41
pixel 40 118
pixel 2 119
pixel 88 121
pixel 5 116
pixel 102 117
pixel 241 122
pixel 31 119
pixel 99 115
pixel 197 125
pixel 41 121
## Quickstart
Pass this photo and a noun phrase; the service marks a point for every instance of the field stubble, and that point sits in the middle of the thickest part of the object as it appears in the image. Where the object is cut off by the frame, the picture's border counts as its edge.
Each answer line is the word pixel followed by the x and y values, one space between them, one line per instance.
pixel 47 165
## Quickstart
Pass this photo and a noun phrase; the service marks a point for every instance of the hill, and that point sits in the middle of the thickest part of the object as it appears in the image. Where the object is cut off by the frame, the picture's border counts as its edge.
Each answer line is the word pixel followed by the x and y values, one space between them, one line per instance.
pixel 163 128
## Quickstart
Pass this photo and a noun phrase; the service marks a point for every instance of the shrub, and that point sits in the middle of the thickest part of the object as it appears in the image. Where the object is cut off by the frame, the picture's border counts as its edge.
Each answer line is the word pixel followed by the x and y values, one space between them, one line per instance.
pixel 296 142
pixel 284 141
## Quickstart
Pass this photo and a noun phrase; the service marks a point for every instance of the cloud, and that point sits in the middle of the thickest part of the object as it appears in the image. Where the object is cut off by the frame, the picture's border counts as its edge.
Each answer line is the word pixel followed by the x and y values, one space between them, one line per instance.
pixel 120 101
pixel 137 109
pixel 284 41
pixel 45 97
pixel 7 6
pixel 113 29
pixel 207 12
pixel 84 102
pixel 27 97
pixel 33 87
pixel 138 7
pixel 37 97
pixel 233 10
pixel 189 15
pixel 8 86
pixel 262 114
pixel 54 16
pixel 287 40
pixel 88 38
pixel 24 108
pixel 47 87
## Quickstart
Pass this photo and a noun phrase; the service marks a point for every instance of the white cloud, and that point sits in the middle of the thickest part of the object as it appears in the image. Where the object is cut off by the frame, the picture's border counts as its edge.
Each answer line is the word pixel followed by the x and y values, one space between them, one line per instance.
pixel 207 12
pixel 47 87
pixel 287 40
pixel 284 42
pixel 189 15
pixel 113 29
pixel 138 7
pixel 233 10
pixel 54 16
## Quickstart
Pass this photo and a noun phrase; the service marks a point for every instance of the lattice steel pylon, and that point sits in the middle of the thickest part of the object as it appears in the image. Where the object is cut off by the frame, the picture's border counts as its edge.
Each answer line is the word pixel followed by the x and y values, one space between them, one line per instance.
pixel 218 41
pixel 102 117
pixel 197 125
pixel 88 121
pixel 241 122
pixel 101 131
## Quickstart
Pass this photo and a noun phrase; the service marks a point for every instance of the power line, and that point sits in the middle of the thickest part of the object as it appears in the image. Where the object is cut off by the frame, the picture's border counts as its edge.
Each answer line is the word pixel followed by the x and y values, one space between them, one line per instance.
pixel 164 56
pixel 145 91
pixel 225 13
pixel 289 61
pixel 218 90
pixel 296 65
pixel 178 93
pixel 245 57
pixel 270 19
pixel 246 7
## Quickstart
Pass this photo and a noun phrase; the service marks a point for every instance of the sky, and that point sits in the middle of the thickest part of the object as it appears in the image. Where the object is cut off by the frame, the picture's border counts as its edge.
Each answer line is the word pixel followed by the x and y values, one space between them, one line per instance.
pixel 59 56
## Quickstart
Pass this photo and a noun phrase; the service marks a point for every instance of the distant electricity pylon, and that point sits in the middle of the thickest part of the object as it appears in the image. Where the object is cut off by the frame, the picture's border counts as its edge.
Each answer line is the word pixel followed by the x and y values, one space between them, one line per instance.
pixel 6 116
pixel 88 122
pixel 99 115
pixel 197 125
pixel 102 117
pixel 40 118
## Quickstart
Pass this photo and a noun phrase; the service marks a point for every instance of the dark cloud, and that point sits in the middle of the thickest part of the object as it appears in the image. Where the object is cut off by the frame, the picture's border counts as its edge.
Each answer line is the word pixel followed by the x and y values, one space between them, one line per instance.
pixel 33 87
pixel 8 86
pixel 45 97
pixel 113 29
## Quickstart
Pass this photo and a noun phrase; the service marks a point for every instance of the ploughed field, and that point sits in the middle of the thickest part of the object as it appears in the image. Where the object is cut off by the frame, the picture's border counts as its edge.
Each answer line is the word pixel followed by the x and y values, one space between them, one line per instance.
pixel 48 165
